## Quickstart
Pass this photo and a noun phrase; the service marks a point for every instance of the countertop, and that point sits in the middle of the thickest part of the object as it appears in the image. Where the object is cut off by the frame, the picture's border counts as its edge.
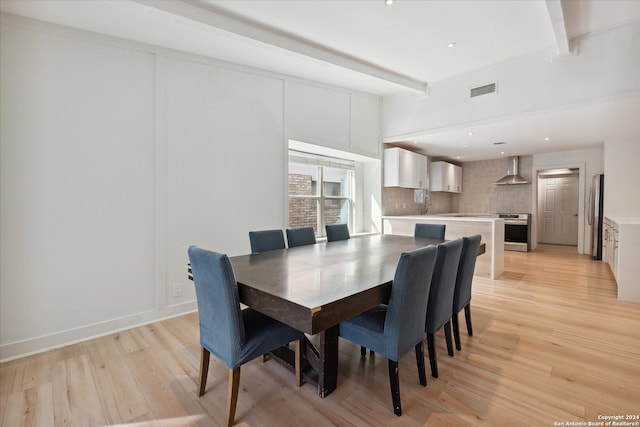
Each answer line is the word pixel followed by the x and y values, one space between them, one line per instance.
pixel 446 217
pixel 624 220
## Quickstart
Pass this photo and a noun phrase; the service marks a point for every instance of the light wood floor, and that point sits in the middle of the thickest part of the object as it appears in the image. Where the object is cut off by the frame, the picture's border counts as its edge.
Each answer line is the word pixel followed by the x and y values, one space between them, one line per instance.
pixel 551 344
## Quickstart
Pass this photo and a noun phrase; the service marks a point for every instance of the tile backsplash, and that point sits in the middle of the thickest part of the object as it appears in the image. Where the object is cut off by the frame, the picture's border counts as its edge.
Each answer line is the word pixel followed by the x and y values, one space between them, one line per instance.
pixel 399 201
pixel 479 193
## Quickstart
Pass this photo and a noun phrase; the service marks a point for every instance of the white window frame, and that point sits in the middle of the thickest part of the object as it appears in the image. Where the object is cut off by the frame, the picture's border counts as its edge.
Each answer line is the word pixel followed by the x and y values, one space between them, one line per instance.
pixel 322 161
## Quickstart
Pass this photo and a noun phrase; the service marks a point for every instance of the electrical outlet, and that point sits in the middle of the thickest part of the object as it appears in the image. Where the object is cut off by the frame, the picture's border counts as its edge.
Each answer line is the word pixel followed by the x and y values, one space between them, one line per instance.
pixel 177 288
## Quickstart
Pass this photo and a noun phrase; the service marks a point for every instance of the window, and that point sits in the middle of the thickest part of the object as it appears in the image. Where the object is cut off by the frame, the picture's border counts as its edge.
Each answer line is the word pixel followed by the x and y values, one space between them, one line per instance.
pixel 321 191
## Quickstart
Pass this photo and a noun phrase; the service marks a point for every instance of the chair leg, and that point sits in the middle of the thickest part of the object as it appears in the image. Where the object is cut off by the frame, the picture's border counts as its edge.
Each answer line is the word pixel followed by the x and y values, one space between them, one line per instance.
pixel 394 382
pixel 298 362
pixel 232 399
pixel 433 361
pixel 467 316
pixel 447 337
pixel 420 361
pixel 456 331
pixel 204 369
pixel 363 351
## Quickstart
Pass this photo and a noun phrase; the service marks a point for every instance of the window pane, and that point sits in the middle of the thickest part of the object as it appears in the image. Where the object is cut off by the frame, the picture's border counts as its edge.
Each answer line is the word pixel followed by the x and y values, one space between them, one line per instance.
pixel 320 191
pixel 337 182
pixel 303 213
pixel 332 188
pixel 303 179
pixel 336 212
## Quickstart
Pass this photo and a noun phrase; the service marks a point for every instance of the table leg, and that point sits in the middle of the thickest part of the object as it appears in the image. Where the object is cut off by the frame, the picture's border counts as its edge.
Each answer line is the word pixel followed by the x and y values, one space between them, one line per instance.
pixel 328 361
pixel 322 356
pixel 320 364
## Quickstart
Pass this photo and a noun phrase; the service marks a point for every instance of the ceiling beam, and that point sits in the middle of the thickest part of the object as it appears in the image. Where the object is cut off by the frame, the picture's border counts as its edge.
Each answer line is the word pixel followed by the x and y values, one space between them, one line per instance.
pixel 556 12
pixel 213 16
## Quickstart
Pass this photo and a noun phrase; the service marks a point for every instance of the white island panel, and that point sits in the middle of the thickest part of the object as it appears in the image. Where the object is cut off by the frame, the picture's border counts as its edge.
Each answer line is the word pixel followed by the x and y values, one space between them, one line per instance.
pixel 490 264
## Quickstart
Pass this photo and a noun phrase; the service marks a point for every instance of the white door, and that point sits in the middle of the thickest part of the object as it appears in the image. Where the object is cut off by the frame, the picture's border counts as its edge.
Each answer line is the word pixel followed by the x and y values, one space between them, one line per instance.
pixel 558 206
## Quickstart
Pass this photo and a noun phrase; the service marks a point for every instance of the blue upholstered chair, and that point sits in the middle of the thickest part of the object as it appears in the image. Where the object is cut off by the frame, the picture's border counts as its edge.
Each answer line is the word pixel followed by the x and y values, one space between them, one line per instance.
pixel 462 293
pixel 431 231
pixel 233 335
pixel 301 236
pixel 337 232
pixel 394 329
pixel 440 305
pixel 266 240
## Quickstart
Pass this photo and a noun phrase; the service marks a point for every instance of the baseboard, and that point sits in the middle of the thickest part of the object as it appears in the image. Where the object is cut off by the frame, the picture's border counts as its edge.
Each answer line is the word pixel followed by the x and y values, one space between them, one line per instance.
pixel 44 343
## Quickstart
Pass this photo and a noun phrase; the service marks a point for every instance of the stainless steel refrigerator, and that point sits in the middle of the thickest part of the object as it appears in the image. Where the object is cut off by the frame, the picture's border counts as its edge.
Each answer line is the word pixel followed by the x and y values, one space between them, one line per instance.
pixel 595 216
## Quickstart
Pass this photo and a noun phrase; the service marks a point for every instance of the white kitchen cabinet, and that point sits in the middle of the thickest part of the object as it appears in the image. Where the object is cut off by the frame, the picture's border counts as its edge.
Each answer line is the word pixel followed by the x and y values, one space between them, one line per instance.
pixel 622 240
pixel 609 243
pixel 444 176
pixel 458 181
pixel 404 168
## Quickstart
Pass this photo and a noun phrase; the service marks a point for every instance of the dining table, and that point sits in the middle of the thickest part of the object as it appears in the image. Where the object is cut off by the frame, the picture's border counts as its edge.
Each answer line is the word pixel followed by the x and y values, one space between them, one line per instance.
pixel 315 287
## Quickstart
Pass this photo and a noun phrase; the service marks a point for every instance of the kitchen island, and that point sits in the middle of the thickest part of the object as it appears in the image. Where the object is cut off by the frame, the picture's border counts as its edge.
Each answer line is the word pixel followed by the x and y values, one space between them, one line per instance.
pixel 490 265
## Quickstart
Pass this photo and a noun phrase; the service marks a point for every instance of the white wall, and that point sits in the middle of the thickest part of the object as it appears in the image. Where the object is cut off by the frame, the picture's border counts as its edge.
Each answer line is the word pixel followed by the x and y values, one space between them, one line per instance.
pixel 622 178
pixel 115 156
pixel 77 184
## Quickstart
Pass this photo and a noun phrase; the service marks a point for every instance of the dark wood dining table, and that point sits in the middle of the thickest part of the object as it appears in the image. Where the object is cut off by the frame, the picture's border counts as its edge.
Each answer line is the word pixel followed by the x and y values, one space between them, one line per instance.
pixel 315 287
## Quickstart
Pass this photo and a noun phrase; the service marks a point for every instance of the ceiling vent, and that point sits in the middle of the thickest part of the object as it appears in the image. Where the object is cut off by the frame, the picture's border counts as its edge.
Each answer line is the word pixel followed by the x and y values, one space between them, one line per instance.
pixel 483 90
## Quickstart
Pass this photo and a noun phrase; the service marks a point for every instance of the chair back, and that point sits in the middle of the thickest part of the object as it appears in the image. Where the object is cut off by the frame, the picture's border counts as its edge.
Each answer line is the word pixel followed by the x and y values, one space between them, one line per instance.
pixel 430 231
pixel 337 232
pixel 407 308
pixel 221 325
pixel 466 268
pixel 266 240
pixel 301 236
pixel 443 285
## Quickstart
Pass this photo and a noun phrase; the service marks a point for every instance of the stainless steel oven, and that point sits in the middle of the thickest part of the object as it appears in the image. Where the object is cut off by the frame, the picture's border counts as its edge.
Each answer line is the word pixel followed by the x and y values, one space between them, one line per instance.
pixel 517 231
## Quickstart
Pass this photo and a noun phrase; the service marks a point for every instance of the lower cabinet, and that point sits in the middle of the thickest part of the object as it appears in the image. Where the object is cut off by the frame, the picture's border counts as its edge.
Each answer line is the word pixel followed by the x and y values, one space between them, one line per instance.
pixel 622 252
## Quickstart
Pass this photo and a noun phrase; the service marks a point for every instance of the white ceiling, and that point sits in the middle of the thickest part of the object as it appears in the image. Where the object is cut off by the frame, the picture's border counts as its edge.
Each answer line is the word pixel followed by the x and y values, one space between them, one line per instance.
pixel 552 131
pixel 368 46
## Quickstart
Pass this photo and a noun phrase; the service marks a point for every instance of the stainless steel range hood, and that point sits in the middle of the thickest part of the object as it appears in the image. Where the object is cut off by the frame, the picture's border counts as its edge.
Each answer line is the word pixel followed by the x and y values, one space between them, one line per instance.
pixel 512 176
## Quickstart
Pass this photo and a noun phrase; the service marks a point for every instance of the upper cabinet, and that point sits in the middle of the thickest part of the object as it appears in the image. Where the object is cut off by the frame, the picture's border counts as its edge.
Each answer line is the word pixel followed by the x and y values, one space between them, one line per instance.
pixel 445 176
pixel 404 168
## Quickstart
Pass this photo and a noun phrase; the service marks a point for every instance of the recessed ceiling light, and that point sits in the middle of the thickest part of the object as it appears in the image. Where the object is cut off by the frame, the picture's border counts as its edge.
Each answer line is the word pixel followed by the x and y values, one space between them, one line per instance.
pixel 458 157
pixel 470 133
pixel 388 2
pixel 547 138
pixel 452 44
pixel 415 142
pixel 502 152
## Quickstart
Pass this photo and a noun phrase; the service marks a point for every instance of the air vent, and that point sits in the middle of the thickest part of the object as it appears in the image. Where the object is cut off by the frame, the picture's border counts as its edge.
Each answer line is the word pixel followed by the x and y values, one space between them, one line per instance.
pixel 483 90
